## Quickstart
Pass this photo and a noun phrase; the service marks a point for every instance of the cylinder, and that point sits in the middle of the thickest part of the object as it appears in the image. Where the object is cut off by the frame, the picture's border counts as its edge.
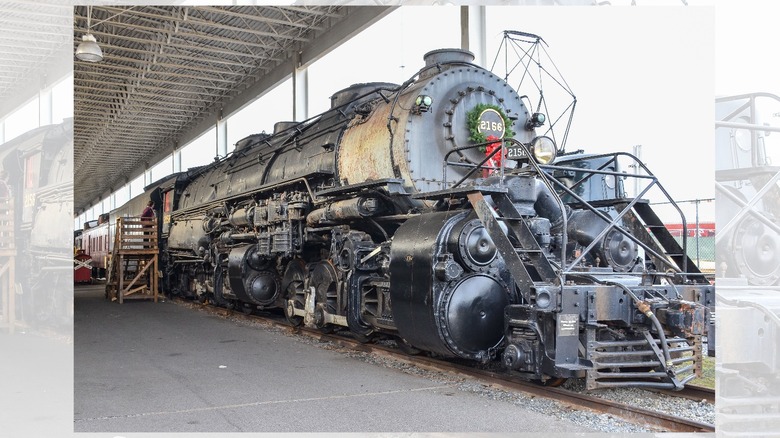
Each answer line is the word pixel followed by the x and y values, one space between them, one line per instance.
pixel 453 315
pixel 250 278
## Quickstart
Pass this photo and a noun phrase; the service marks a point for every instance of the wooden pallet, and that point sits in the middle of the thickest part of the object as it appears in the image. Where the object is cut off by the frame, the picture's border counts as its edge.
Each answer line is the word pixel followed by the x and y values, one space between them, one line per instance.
pixel 133 271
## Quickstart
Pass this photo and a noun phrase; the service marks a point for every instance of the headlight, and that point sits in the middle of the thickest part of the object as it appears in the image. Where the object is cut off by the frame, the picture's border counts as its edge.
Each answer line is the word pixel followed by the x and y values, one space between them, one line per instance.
pixel 544 150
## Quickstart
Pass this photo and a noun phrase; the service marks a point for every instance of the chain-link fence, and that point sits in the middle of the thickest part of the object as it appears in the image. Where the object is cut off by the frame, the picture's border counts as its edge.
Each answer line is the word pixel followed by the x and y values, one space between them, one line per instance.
pixel 700 225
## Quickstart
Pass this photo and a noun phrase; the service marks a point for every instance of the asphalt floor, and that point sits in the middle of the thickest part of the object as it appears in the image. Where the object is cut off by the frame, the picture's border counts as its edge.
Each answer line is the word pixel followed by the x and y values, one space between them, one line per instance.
pixel 165 367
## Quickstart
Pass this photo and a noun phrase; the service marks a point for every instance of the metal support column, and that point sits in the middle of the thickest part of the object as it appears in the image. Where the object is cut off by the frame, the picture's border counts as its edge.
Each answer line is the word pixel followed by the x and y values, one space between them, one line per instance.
pixel 300 78
pixel 176 158
pixel 472 32
pixel 147 175
pixel 221 129
pixel 45 111
pixel 128 187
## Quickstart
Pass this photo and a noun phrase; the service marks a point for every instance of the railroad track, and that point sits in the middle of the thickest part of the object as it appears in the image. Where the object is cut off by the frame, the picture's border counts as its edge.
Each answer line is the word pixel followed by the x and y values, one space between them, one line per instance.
pixel 499 380
pixel 692 392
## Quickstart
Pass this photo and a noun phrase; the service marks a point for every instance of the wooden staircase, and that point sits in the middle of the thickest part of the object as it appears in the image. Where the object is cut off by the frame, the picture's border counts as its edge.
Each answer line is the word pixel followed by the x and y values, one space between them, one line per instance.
pixel 133 266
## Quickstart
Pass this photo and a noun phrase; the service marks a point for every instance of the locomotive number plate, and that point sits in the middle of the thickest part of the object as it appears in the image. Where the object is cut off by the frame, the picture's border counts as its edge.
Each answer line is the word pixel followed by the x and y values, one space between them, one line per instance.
pixel 491 123
pixel 515 153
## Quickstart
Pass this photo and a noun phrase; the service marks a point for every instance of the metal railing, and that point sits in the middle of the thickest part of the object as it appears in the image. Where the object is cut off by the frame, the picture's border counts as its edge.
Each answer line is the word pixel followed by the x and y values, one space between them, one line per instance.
pixel 701 234
pixel 546 172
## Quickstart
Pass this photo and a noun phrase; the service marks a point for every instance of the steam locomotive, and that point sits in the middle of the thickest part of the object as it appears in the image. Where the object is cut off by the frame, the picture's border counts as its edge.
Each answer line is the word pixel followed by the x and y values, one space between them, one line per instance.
pixel 434 212
pixel 36 175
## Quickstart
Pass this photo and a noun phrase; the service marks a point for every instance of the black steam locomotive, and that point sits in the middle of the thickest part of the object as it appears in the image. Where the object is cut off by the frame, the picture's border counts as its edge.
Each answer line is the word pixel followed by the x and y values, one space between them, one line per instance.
pixel 433 212
pixel 36 204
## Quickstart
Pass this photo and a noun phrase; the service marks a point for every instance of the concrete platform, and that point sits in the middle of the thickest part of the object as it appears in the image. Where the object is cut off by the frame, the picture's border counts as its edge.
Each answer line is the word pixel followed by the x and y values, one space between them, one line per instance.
pixel 36 381
pixel 146 367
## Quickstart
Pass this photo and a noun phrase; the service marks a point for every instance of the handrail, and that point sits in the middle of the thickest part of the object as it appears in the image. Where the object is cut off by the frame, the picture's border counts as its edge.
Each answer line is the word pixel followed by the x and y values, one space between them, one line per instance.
pixel 654 182
pixel 546 181
pixel 545 173
pixel 477 166
pixel 612 224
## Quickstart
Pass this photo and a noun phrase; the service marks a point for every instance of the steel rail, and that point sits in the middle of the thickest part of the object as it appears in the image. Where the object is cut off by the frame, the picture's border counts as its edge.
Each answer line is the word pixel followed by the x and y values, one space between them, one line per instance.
pixel 691 392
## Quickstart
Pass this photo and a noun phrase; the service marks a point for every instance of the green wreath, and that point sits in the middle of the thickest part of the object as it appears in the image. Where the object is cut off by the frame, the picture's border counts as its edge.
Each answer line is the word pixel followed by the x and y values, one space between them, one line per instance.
pixel 473 121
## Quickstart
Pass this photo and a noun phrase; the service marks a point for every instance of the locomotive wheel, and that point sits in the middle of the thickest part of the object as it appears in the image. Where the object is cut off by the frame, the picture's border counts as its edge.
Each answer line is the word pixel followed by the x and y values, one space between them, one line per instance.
pixel 293 319
pixel 319 320
pixel 293 285
pixel 324 280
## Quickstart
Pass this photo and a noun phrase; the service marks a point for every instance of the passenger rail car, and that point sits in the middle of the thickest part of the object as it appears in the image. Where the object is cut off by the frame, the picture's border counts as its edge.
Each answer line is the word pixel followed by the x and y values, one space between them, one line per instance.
pixel 391 214
pixel 95 241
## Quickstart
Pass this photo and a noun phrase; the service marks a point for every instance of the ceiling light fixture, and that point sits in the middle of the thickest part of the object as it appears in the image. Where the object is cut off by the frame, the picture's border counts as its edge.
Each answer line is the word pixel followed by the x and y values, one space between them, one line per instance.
pixel 88 49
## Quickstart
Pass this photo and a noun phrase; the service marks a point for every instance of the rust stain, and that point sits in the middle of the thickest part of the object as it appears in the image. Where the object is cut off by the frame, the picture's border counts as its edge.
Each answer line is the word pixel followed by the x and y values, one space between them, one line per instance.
pixel 365 149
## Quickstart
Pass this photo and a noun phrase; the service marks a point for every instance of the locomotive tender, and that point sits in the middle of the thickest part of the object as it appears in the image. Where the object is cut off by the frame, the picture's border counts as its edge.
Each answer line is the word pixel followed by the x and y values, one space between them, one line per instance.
pixel 384 216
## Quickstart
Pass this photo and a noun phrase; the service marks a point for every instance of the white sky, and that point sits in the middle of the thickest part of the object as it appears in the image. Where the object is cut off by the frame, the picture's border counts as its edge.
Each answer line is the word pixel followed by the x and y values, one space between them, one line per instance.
pixel 642 76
